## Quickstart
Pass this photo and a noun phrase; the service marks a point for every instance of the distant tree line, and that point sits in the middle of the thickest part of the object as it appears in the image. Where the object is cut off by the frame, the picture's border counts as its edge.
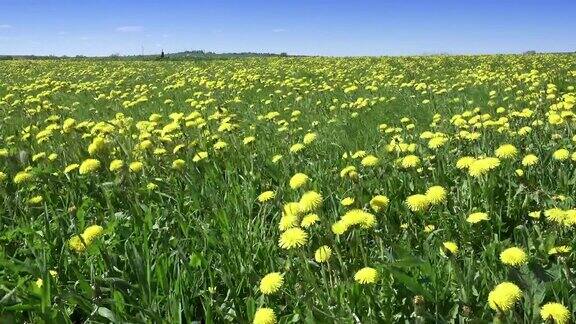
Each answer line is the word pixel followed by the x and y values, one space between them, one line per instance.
pixel 194 54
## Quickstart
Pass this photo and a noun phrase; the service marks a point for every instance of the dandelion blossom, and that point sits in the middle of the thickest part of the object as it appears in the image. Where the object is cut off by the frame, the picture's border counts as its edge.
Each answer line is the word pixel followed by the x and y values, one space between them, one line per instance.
pixel 264 316
pixel 465 162
pixel 178 164
pixel 347 171
pixel 379 203
pixel 89 165
pixel 293 237
pixel 504 296
pixel 513 256
pixel 409 161
pixel 309 138
pixel 310 201
pixel 298 180
pixel 436 195
pixel 437 142
pixel 417 202
pixel 556 312
pixel 506 151
pixel 347 201
pixel 288 221
pixel 339 227
pixel 559 250
pixel 200 156
pixel 309 220
pixel 271 283
pixel 369 160
pixel 71 168
pixel 366 275
pixel 482 166
pixel 297 148
pixel 529 160
pixel 266 195
pixel 136 167
pixel 450 247
pixel 323 254
pixel 476 217
pixel 116 165
pixel 561 155
pixel 79 243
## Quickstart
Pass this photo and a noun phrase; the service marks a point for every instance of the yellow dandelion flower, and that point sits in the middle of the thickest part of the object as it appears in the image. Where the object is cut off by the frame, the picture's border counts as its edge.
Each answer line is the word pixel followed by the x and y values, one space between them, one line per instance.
pixel 35 200
pixel 266 195
pixel 22 176
pixel 417 202
pixel 116 165
pixel 535 214
pixel 178 164
pixel 271 283
pixel 477 217
pixel 529 160
pixel 347 170
pixel 347 201
pixel 409 161
pixel 556 312
pixel 310 201
pixel 288 221
pixel 429 228
pixel 297 148
pixel 309 138
pixel 276 158
pixel 298 180
pixel 482 166
pixel 248 140
pixel 560 250
pixel 465 162
pixel 555 214
pixel 323 254
pixel 450 248
pixel 339 228
pixel 369 160
pixel 309 220
pixel 561 154
pixel 436 195
pixel 89 165
pixel 366 275
pixel 200 156
pixel 506 151
pixel 437 142
pixel 264 316
pixel 92 232
pixel 293 237
pixel 504 296
pixel 379 203
pixel 136 166
pixel 513 256
pixel 292 208
pixel 151 186
pixel 220 145
pixel 71 168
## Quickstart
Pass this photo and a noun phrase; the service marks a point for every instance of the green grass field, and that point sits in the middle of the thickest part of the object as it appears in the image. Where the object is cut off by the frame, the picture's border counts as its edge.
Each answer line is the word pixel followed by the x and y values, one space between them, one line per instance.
pixel 436 189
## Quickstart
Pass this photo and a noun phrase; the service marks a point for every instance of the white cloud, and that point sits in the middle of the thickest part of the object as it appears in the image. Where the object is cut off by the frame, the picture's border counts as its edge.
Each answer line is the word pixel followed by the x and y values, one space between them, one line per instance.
pixel 130 29
pixel 5 26
pixel 278 30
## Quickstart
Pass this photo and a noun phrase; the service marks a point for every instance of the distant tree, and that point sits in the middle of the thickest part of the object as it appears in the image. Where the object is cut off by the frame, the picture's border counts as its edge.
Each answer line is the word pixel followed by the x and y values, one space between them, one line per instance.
pixel 531 52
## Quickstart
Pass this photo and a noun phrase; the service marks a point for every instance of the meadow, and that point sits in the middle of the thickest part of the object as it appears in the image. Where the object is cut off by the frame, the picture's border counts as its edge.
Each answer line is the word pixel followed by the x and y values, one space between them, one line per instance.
pixel 290 190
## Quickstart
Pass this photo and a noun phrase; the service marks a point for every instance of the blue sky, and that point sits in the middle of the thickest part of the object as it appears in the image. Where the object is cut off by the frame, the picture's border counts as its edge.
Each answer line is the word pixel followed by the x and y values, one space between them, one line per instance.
pixel 313 27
